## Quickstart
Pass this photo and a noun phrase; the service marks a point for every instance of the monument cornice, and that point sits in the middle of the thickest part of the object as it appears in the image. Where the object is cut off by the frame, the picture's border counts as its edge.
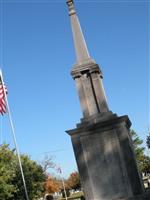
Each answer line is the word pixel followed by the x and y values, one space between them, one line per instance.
pixel 88 66
pixel 103 124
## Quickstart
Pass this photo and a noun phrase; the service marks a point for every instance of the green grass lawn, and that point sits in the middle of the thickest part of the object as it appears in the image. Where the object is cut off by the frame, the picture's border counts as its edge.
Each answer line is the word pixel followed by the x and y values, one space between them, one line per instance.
pixel 74 196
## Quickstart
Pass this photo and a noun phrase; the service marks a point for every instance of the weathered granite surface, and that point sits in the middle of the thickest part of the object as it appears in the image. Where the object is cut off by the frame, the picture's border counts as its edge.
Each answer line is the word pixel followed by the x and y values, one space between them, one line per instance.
pixel 144 196
pixel 105 158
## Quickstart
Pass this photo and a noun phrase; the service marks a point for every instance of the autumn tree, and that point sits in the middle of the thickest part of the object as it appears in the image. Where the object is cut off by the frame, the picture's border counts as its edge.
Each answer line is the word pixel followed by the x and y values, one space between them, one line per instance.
pixel 74 181
pixel 52 185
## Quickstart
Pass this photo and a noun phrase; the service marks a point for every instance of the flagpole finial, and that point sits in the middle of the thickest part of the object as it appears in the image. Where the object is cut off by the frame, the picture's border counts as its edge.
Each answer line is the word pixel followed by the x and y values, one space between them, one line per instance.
pixel 70 4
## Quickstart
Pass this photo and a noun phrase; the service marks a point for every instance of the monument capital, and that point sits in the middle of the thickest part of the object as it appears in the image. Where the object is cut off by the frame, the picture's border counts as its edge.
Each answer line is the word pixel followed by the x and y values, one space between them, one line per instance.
pixel 70 4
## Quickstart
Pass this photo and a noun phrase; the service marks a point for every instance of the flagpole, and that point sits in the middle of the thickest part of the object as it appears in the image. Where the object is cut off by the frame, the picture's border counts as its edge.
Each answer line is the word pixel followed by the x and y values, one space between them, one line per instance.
pixel 62 179
pixel 14 136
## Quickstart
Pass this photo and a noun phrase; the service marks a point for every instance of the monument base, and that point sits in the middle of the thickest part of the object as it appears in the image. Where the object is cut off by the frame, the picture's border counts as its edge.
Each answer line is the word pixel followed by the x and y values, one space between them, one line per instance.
pixel 144 196
pixel 105 157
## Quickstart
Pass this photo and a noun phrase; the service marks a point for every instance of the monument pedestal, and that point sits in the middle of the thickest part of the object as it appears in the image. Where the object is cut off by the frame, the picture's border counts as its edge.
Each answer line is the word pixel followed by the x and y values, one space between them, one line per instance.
pixel 105 158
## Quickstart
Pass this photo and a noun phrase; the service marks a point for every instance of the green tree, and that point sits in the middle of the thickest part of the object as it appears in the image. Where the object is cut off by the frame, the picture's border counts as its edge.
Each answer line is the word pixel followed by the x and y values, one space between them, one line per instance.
pixel 11 185
pixel 34 176
pixel 7 173
pixel 142 160
pixel 148 141
pixel 137 142
pixel 145 164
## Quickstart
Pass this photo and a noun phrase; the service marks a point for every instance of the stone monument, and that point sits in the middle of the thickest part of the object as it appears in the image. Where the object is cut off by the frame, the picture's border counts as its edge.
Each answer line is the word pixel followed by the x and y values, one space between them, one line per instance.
pixel 101 141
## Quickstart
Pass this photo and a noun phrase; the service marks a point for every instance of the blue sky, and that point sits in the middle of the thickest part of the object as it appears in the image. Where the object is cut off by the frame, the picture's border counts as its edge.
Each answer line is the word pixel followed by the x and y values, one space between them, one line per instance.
pixel 37 55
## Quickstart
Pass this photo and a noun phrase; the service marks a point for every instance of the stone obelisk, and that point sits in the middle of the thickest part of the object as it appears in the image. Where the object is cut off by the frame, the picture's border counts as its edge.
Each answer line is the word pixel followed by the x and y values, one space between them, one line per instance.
pixel 101 141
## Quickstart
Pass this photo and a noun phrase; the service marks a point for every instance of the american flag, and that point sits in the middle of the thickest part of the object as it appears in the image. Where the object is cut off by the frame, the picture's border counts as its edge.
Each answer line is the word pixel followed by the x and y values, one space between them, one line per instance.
pixel 2 98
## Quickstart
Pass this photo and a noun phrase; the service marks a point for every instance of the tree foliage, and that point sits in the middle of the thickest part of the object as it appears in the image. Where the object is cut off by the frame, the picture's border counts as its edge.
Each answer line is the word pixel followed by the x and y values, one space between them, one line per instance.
pixel 7 173
pixel 52 185
pixel 142 160
pixel 74 181
pixel 148 141
pixel 145 164
pixel 137 142
pixel 11 185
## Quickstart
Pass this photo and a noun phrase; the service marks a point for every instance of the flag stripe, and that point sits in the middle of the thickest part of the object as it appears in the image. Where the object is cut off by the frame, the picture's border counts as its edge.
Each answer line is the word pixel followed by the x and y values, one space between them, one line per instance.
pixel 2 98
